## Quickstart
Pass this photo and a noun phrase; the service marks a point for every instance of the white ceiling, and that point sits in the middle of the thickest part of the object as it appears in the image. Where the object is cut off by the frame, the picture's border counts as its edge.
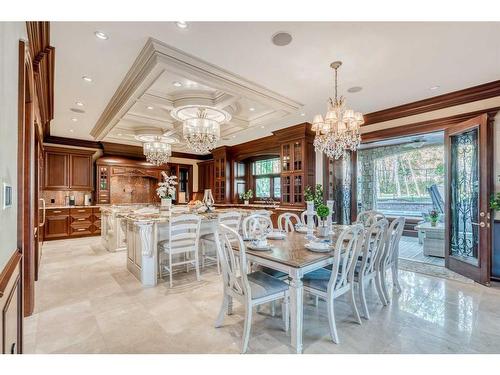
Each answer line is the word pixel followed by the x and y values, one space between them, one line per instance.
pixel 395 63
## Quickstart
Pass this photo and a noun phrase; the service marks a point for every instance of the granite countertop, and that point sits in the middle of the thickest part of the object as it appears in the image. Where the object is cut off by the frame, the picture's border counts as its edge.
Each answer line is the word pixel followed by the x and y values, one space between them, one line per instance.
pixel 156 217
pixel 261 205
pixel 62 207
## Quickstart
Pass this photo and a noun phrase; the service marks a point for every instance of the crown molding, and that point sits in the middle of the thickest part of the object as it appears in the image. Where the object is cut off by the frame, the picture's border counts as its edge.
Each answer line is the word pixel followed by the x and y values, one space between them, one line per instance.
pixel 471 94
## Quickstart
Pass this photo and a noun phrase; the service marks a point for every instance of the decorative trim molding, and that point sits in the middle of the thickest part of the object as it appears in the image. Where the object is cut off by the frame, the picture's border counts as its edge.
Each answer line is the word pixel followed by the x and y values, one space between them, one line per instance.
pixel 8 271
pixel 43 60
pixel 471 94
pixel 421 127
pixel 110 148
pixel 157 57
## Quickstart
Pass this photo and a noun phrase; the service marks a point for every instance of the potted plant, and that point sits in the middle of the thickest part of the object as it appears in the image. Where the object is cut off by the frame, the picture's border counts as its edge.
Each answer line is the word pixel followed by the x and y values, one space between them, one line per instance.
pixel 246 196
pixel 433 217
pixel 166 190
pixel 495 202
pixel 313 197
pixel 323 211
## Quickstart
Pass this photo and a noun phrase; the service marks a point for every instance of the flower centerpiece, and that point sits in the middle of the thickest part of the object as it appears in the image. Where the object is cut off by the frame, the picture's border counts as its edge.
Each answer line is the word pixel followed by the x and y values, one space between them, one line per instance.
pixel 246 196
pixel 433 217
pixel 166 189
pixel 323 211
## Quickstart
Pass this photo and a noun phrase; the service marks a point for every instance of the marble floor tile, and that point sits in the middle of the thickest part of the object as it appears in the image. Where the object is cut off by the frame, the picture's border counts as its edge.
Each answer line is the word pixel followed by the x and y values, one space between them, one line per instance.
pixel 87 302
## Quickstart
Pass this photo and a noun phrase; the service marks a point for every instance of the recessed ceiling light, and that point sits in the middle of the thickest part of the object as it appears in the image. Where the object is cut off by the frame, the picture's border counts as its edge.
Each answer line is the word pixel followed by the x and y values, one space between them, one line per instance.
pixel 101 35
pixel 74 119
pixel 262 126
pixel 182 24
pixel 119 134
pixel 150 107
pixel 71 130
pixel 302 114
pixel 433 88
pixel 234 136
pixel 87 78
pixel 281 39
pixel 251 109
pixel 354 89
pixel 79 104
pixel 177 84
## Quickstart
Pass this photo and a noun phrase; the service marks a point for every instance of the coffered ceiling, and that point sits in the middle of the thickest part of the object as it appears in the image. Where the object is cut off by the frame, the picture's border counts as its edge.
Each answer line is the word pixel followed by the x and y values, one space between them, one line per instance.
pixel 143 70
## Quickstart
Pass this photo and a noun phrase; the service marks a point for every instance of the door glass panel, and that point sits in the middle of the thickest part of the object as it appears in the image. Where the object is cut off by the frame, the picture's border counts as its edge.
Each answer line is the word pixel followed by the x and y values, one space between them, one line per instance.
pixel 464 196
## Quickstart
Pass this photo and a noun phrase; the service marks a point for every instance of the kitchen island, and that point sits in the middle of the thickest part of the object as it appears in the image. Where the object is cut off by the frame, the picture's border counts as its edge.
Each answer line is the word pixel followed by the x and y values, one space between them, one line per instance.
pixel 145 230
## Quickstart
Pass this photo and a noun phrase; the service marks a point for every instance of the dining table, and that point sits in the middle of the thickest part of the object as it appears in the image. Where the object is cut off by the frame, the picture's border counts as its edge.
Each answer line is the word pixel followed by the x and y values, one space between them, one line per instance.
pixel 290 256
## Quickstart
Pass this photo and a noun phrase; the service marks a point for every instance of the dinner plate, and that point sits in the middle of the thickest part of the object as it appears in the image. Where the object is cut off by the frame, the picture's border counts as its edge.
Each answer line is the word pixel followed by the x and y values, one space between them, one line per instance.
pixel 301 229
pixel 318 247
pixel 276 236
pixel 259 248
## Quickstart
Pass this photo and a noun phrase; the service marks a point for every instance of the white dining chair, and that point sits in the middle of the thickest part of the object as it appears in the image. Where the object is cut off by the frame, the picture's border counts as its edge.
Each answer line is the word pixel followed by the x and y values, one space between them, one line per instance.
pixel 303 218
pixel 331 284
pixel 367 269
pixel 250 289
pixel 231 219
pixel 183 238
pixel 285 221
pixel 256 223
pixel 390 258
pixel 369 217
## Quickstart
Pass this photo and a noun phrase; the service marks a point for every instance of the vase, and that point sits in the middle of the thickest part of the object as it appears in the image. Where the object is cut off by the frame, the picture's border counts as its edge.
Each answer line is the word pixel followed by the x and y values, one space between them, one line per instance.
pixel 433 223
pixel 246 203
pixel 166 203
pixel 310 207
pixel 323 230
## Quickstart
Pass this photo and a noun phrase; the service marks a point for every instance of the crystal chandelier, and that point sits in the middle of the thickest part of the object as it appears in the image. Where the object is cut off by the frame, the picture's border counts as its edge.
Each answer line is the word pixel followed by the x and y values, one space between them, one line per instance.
pixel 201 126
pixel 156 149
pixel 338 132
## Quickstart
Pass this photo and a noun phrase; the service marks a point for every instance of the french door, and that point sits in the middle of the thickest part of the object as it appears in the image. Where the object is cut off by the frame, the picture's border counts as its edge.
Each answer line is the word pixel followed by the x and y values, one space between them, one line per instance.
pixel 469 154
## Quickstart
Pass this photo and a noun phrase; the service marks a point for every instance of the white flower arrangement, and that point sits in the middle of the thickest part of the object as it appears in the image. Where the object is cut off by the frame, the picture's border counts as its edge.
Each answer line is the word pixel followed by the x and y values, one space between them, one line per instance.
pixel 166 189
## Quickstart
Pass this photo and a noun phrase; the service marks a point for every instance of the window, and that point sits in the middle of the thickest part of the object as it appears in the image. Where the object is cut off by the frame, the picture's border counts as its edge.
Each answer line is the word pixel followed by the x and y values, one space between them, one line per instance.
pixel 402 179
pixel 267 178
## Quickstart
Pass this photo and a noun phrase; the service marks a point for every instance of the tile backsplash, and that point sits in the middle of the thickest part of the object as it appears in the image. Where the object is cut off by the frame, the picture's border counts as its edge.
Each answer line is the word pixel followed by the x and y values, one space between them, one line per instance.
pixel 59 197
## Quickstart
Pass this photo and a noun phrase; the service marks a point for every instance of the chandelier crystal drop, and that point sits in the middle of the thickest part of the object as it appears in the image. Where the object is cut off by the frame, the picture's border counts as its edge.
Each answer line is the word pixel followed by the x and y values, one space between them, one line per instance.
pixel 157 152
pixel 338 131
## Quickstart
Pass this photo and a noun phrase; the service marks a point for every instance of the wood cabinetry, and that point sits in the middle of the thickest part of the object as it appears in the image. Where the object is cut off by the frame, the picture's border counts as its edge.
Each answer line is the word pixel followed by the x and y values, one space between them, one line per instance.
pixel 222 175
pixel 205 175
pixel 68 169
pixel 298 162
pixel 72 222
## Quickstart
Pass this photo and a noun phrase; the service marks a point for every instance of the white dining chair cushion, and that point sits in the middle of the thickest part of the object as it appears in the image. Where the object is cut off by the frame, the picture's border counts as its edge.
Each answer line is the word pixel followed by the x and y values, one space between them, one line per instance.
pixel 263 285
pixel 318 279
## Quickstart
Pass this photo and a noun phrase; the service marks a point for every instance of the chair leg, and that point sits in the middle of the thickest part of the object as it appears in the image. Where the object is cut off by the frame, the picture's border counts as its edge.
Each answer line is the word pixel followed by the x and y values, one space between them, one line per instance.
pixel 362 298
pixel 395 276
pixel 316 301
pixel 331 321
pixel 203 252
pixel 222 311
pixel 185 260
pixel 247 327
pixel 229 305
pixel 273 308
pixel 218 262
pixel 170 269
pixel 380 292
pixel 383 284
pixel 197 264
pixel 354 306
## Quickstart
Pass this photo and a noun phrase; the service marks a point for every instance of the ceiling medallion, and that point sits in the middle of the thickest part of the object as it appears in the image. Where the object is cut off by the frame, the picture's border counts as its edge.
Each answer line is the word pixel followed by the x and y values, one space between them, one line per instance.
pixel 200 125
pixel 157 149
pixel 338 132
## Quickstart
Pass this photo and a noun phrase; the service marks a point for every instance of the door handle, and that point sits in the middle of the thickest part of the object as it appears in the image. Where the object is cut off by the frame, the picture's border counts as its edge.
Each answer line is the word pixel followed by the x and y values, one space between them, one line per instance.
pixel 481 224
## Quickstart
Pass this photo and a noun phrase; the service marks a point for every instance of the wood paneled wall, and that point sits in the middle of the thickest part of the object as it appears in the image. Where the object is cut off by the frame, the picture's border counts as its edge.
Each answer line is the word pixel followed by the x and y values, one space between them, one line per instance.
pixel 11 306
